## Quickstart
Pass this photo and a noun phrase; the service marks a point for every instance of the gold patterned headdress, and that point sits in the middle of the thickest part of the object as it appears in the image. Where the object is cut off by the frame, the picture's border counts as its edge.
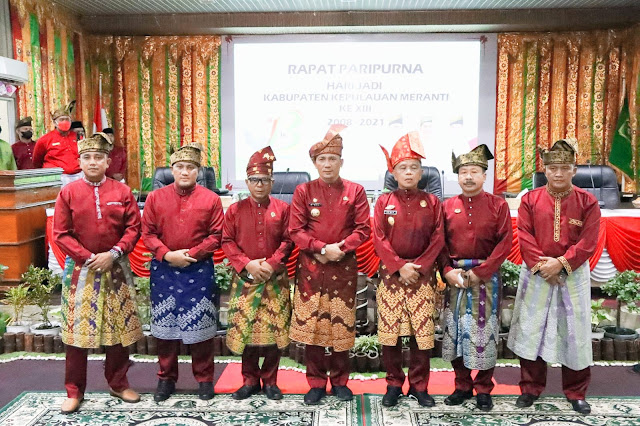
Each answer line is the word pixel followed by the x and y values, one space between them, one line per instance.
pixel 97 142
pixel 478 156
pixel 562 152
pixel 191 152
pixel 331 144
pixel 66 110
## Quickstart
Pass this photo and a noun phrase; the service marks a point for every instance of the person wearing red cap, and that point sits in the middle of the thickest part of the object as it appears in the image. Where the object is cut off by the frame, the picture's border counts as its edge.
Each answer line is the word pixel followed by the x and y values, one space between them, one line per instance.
pixel 59 147
pixel 329 219
pixel 182 227
pixel 478 233
pixel 96 224
pixel 255 238
pixel 408 235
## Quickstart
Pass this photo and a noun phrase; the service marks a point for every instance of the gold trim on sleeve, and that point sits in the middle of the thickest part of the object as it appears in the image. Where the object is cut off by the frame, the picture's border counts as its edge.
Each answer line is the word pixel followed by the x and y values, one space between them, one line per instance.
pixel 566 265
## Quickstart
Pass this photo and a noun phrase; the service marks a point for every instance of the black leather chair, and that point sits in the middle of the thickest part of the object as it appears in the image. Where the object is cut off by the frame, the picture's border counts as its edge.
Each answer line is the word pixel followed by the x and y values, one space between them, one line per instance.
pixel 285 184
pixel 206 177
pixel 601 181
pixel 430 181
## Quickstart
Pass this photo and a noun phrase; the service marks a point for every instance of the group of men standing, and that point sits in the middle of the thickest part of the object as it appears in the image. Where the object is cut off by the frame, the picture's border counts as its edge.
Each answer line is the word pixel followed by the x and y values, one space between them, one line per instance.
pixel 466 238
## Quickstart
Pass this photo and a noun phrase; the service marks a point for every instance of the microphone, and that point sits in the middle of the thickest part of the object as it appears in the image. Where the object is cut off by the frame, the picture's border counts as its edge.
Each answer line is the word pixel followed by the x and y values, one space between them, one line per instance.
pixel 442 188
pixel 593 185
pixel 428 176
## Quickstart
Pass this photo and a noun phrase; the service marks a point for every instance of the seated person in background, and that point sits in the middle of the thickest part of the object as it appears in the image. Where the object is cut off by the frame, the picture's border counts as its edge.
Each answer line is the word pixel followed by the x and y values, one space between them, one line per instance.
pixel 78 129
pixel 59 147
pixel 118 166
pixel 24 146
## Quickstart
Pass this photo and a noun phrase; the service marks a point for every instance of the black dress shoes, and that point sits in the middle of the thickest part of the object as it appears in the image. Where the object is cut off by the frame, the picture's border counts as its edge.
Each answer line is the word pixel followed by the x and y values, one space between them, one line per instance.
pixel 343 393
pixel 526 400
pixel 458 397
pixel 272 392
pixel 205 390
pixel 580 405
pixel 424 399
pixel 314 396
pixel 164 390
pixel 484 402
pixel 245 392
pixel 391 397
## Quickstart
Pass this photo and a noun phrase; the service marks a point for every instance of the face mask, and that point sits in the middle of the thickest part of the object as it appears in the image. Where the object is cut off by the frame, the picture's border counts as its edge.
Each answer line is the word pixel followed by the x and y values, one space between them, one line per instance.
pixel 27 135
pixel 64 126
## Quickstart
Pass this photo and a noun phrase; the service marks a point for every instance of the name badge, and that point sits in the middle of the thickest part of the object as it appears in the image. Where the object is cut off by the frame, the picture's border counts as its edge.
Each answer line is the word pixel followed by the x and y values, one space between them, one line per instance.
pixel 391 212
pixel 315 204
pixel 55 143
pixel 114 203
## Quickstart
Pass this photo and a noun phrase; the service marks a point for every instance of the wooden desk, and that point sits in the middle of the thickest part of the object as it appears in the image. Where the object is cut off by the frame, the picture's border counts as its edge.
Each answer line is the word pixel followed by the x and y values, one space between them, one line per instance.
pixel 24 196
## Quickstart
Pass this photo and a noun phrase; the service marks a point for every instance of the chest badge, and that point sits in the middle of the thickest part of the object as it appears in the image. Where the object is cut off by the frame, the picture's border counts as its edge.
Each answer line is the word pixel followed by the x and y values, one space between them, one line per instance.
pixel 457 211
pixel 390 207
pixel 273 214
pixel 391 220
pixel 423 203
pixel 315 212
pixel 315 200
pixel 345 198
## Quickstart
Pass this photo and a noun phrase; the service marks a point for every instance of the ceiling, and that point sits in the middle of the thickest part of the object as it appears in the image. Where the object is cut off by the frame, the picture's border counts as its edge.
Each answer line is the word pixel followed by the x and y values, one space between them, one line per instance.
pixel 128 7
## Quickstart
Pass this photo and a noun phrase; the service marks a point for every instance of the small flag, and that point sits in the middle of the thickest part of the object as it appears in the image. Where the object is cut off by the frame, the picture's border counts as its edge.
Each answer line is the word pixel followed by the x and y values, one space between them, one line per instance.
pixel 99 113
pixel 621 154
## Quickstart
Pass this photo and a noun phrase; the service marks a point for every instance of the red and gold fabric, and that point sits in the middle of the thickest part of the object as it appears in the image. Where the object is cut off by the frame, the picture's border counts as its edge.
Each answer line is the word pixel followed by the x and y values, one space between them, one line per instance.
pixel 331 144
pixel 261 162
pixel 324 300
pixel 407 147
pixel 408 226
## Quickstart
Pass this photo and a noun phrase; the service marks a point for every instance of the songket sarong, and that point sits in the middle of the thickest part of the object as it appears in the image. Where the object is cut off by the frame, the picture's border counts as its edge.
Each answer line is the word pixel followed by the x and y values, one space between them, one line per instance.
pixel 182 301
pixel 259 313
pixel 324 306
pixel 553 321
pixel 406 309
pixel 98 308
pixel 471 321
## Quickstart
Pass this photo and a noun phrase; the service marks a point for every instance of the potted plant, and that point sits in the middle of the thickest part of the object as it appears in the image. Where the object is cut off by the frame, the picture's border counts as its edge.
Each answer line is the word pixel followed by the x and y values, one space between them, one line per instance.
pixel 224 275
pixel 510 276
pixel 360 349
pixel 42 282
pixel 18 298
pixel 143 302
pixel 625 287
pixel 598 315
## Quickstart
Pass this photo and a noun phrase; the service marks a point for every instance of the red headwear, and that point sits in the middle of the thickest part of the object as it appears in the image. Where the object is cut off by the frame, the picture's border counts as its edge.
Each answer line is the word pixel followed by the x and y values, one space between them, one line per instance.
pixel 408 147
pixel 331 144
pixel 261 162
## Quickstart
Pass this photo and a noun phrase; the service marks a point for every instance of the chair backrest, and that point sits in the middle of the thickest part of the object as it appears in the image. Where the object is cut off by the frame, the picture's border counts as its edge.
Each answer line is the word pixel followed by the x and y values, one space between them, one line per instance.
pixel 206 177
pixel 430 181
pixel 285 184
pixel 601 181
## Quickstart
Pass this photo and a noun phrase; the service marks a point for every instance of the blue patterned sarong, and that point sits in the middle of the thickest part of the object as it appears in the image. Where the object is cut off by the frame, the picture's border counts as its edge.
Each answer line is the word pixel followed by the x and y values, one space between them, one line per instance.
pixel 182 305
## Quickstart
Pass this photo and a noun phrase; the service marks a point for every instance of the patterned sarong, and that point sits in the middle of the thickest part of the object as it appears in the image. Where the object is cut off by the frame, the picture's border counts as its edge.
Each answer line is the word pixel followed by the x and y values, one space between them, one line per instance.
pixel 98 308
pixel 553 322
pixel 470 322
pixel 182 301
pixel 259 313
pixel 406 310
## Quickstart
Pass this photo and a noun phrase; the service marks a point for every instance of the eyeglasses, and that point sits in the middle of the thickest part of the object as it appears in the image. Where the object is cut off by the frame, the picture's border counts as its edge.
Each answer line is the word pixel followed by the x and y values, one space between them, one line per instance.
pixel 255 180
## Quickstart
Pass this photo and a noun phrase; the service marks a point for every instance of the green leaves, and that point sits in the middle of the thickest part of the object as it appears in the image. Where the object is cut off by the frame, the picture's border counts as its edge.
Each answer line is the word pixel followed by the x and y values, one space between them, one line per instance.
pixel 510 274
pixel 224 274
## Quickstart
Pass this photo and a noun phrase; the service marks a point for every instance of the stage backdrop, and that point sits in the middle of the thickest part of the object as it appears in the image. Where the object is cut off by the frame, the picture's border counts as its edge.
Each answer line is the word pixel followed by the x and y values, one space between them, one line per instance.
pixel 571 84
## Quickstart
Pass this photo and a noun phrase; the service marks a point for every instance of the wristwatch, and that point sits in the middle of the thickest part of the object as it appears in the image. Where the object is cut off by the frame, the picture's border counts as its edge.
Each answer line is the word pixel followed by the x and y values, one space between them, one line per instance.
pixel 323 250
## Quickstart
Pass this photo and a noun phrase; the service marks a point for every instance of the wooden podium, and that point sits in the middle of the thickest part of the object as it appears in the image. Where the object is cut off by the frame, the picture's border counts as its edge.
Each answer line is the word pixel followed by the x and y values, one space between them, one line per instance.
pixel 24 197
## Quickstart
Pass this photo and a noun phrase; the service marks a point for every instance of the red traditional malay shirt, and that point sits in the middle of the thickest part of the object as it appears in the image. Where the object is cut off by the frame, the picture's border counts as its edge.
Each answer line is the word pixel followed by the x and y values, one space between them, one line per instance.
pixel 565 226
pixel 477 227
pixel 55 150
pixel 408 226
pixel 23 153
pixel 257 230
pixel 118 161
pixel 175 219
pixel 343 214
pixel 91 219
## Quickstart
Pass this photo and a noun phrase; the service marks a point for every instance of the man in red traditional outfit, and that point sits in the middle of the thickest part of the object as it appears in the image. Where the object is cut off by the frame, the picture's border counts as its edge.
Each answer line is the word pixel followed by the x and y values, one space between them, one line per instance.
pixel 478 232
pixel 329 220
pixel 59 147
pixel 96 224
pixel 256 241
pixel 118 166
pixel 558 232
pixel 182 227
pixel 408 235
pixel 24 145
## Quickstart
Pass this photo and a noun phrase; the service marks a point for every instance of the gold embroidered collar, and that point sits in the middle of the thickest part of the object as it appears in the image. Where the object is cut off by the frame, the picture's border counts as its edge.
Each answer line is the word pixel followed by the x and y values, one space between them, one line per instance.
pixel 559 194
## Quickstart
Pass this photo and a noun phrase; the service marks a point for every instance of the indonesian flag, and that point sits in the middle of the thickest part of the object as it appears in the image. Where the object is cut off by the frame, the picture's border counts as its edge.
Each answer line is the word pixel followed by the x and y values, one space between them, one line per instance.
pixel 99 114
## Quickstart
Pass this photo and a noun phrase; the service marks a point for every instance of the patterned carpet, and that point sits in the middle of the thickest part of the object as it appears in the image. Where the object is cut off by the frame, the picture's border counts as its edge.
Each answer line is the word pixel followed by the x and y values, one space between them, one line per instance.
pixel 547 411
pixel 43 408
